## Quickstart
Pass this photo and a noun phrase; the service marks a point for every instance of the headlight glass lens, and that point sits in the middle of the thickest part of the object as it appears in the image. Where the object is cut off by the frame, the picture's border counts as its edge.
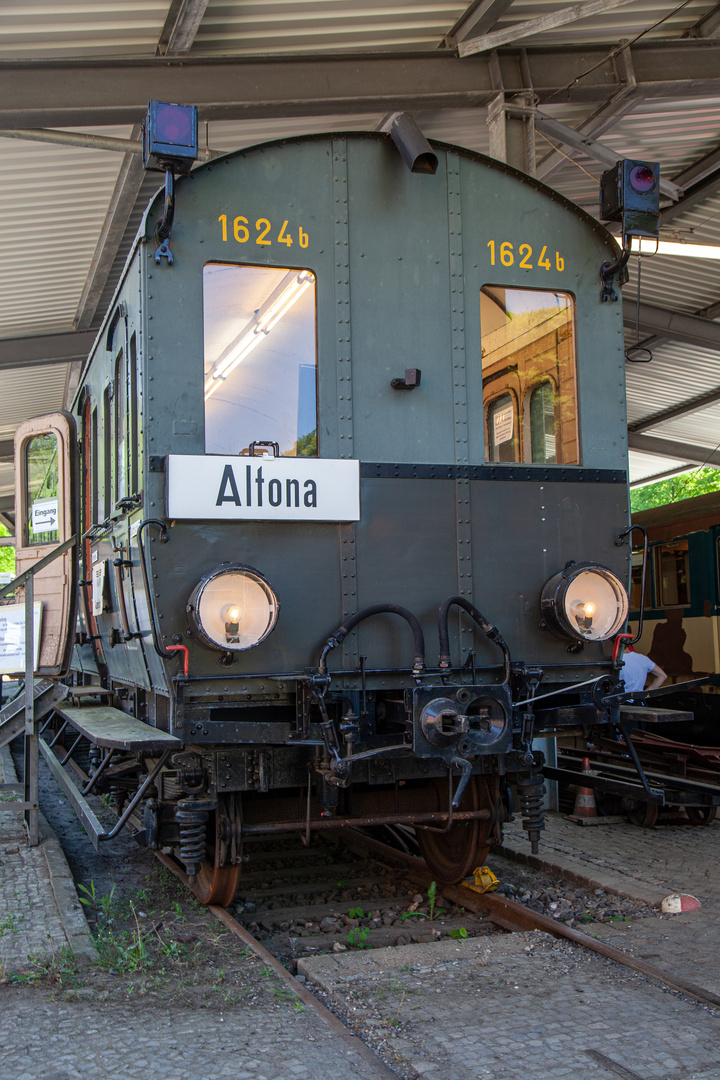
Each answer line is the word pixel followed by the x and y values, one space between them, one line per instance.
pixel 587 602
pixel 233 609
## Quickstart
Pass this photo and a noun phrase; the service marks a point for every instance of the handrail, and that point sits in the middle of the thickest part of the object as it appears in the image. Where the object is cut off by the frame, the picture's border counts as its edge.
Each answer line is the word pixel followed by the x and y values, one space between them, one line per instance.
pixel 32 780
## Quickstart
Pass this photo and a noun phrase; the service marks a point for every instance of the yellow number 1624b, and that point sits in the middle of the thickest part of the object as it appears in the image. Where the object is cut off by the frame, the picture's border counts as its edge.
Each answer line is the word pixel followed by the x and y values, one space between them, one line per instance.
pixel 524 256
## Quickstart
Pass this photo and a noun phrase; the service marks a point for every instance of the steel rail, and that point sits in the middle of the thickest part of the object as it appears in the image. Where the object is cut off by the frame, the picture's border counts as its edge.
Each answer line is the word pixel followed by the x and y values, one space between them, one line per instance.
pixel 509 915
pixel 333 1022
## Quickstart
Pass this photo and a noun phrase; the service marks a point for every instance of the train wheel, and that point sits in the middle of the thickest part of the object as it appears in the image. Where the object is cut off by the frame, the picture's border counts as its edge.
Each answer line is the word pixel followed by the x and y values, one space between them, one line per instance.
pixel 642 814
pixel 453 855
pixel 218 878
pixel 701 815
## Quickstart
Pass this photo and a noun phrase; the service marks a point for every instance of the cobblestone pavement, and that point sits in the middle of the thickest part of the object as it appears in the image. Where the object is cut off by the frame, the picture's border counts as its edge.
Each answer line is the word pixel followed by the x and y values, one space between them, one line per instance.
pixel 39 909
pixel 517 1007
pixel 646 864
pixel 46 1039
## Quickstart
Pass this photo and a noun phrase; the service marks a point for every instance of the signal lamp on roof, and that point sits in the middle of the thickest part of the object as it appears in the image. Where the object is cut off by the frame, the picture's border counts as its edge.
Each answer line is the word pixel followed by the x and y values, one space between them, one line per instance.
pixel 170 139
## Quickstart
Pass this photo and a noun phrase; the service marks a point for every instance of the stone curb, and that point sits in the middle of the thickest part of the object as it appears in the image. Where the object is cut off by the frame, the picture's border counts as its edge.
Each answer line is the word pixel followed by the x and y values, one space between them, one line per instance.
pixel 577 872
pixel 69 909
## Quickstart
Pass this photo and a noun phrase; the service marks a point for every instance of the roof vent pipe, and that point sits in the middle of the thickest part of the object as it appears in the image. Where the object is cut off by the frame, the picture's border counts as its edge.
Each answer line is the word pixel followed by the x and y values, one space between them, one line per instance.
pixel 410 141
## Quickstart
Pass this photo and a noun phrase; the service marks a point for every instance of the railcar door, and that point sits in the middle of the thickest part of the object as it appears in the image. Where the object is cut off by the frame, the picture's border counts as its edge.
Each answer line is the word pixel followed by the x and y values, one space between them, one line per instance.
pixel 45 500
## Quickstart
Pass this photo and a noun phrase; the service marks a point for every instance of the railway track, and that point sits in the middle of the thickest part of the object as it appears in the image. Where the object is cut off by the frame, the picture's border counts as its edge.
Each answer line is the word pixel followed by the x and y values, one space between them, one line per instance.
pixel 483 913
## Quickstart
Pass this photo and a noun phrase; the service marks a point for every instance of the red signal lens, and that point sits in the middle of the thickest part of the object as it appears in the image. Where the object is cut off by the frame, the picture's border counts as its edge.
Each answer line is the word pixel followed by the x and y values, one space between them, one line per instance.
pixel 173 125
pixel 642 179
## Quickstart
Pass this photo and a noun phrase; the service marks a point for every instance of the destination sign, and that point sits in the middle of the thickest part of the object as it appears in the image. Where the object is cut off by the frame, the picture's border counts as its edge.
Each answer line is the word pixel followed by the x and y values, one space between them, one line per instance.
pixel 262 488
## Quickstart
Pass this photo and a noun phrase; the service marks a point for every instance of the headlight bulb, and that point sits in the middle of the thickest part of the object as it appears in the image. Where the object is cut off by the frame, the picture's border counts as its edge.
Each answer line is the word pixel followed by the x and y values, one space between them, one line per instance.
pixel 583 613
pixel 232 624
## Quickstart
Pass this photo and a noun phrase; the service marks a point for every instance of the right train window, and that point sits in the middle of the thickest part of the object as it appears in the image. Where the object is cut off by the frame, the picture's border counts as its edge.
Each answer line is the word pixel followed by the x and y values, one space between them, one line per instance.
pixel 673 571
pixel 528 371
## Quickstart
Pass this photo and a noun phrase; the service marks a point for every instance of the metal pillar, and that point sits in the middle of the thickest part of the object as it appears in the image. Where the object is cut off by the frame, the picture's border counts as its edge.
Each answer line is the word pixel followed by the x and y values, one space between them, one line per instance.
pixel 32 774
pixel 511 120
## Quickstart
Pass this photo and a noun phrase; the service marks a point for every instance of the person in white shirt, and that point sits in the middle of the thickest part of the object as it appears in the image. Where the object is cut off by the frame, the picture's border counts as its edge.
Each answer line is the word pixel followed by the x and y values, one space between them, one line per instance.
pixel 638 669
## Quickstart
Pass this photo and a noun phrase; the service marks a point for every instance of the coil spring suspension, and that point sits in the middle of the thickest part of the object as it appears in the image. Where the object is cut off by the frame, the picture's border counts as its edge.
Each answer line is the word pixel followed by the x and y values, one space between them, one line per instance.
pixel 531 790
pixel 192 816
pixel 118 795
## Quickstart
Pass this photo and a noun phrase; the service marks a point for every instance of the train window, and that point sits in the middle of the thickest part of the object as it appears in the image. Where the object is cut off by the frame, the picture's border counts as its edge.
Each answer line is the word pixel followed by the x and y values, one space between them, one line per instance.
pixel 528 354
pixel 260 359
pixel 42 499
pixel 673 570
pixel 542 424
pixel 93 466
pixel 107 485
pixel 121 432
pixel 636 580
pixel 135 439
pixel 502 429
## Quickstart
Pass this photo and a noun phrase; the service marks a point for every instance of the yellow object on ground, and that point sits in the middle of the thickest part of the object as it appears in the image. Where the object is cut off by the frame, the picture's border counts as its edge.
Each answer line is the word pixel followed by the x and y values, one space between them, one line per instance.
pixel 483 880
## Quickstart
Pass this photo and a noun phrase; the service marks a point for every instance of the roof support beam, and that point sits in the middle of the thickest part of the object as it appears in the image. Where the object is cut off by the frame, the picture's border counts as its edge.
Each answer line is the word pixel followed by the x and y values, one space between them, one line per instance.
pixel 480 17
pixel 694 174
pixel 691 405
pixel 699 455
pixel 46 349
pixel 708 27
pixel 181 25
pixel 605 116
pixel 550 21
pixel 674 325
pixel 59 93
pixel 587 145
pixel 692 198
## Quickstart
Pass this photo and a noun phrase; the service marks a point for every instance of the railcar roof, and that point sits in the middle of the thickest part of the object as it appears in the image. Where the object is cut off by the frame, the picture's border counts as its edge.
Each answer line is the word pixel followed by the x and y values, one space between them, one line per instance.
pixel 631 79
pixel 676 519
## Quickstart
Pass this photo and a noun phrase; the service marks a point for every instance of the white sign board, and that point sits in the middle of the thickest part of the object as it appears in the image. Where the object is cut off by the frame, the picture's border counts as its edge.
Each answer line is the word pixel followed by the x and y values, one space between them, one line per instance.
pixel 44 516
pixel 12 637
pixel 503 425
pixel 98 581
pixel 262 489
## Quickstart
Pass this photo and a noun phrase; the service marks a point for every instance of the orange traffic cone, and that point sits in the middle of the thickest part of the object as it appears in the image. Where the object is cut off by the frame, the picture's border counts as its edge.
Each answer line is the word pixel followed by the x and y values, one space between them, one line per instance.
pixel 585 798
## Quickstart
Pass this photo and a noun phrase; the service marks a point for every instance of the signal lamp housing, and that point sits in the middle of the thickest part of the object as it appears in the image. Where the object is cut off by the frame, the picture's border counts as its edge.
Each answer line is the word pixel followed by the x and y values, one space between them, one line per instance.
pixel 170 137
pixel 233 608
pixel 584 602
pixel 630 193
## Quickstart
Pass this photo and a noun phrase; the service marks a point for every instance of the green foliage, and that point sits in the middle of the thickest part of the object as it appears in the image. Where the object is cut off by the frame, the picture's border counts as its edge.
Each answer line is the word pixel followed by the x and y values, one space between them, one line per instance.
pixel 432 897
pixel 7 555
pixel 459 932
pixel 358 937
pixel 8 925
pixel 687 486
pixel 58 969
pixel 356 913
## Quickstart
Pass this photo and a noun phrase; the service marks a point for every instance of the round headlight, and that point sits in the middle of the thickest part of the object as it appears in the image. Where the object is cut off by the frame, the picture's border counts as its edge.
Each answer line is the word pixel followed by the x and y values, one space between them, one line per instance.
pixel 233 608
pixel 585 601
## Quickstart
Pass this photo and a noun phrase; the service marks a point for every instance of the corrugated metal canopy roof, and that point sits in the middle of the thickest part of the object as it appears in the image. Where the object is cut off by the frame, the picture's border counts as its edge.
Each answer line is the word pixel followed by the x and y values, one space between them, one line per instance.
pixel 270 69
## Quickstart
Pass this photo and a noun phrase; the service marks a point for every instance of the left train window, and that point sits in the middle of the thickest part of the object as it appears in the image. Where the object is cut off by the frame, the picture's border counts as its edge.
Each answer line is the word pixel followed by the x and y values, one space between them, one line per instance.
pixel 42 493
pixel 260 360
pixel 528 358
